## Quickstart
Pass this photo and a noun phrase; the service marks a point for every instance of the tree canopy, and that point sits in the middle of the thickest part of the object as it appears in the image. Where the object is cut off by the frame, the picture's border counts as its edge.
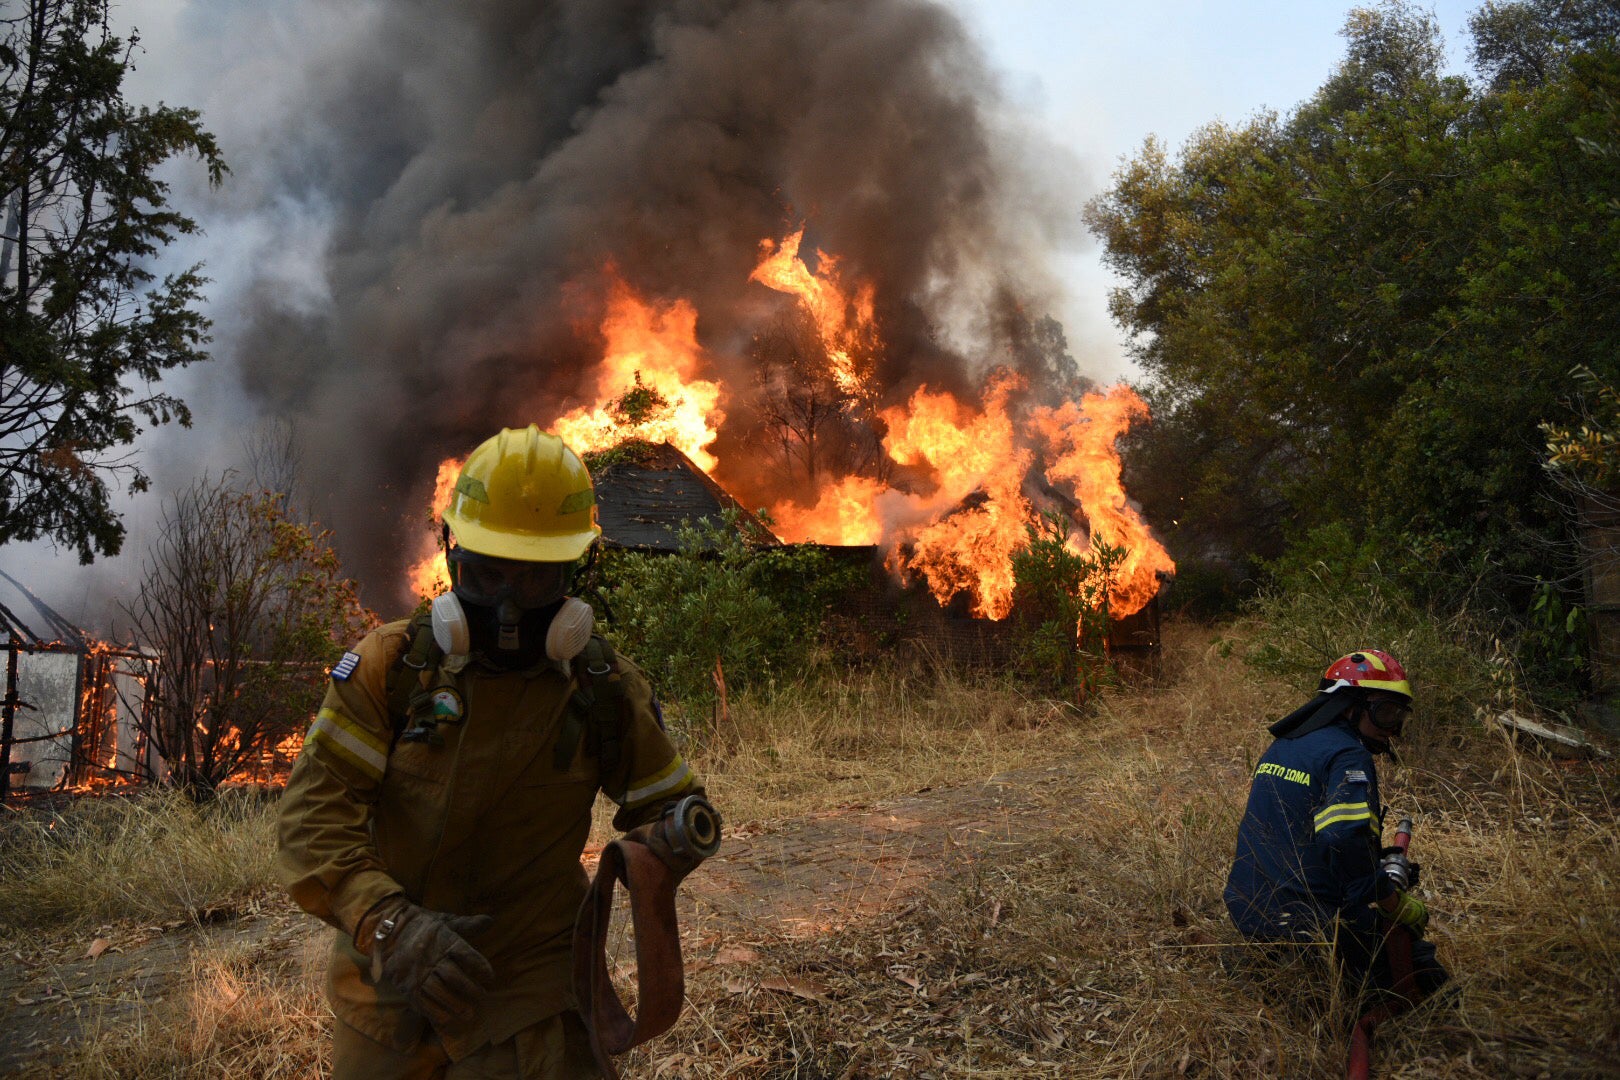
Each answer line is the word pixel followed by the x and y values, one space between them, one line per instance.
pixel 86 331
pixel 1354 318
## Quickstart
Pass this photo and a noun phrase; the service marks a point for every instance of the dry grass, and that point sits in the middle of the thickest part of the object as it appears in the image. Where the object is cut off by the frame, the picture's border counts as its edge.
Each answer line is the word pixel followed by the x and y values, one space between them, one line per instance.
pixel 1096 949
pixel 153 857
pixel 1091 947
pixel 244 1012
pixel 872 735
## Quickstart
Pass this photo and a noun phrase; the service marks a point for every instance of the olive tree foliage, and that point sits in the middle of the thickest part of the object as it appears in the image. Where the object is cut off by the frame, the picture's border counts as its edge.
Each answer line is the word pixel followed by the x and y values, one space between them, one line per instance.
pixel 86 330
pixel 245 607
pixel 1353 317
pixel 1530 42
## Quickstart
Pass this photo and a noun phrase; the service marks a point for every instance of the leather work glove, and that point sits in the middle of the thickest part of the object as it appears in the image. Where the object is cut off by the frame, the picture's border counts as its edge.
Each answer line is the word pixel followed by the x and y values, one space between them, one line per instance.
pixel 1409 911
pixel 426 956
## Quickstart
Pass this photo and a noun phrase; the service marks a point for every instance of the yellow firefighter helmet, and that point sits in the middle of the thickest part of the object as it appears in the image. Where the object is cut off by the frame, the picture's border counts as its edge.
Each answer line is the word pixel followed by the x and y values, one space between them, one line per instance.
pixel 524 495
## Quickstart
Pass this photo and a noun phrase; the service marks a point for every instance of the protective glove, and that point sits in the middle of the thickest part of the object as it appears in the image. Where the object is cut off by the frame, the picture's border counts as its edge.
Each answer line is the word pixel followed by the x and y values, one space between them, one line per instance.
pixel 426 956
pixel 1409 911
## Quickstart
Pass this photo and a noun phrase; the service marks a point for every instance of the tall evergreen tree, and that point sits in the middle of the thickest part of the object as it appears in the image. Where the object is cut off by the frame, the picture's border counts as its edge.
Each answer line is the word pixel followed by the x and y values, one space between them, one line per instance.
pixel 85 330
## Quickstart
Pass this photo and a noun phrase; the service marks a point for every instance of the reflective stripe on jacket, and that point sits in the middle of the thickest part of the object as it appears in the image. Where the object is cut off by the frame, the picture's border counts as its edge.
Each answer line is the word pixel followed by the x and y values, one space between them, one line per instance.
pixel 1307 848
pixel 484 822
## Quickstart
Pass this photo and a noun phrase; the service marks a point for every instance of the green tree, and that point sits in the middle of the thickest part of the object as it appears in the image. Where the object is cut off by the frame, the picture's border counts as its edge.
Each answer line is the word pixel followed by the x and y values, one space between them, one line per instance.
pixel 1530 42
pixel 756 610
pixel 1354 318
pixel 1060 607
pixel 85 329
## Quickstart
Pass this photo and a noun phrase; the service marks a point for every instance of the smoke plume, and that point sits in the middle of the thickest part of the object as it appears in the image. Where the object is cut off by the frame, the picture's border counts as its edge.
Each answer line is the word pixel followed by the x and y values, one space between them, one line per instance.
pixel 480 167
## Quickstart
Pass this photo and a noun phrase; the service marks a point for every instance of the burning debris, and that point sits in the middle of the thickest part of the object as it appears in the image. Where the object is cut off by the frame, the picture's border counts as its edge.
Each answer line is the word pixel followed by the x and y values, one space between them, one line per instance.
pixel 75 709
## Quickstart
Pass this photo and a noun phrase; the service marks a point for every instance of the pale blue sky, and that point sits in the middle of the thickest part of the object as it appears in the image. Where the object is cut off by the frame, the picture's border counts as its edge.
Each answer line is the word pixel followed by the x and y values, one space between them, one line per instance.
pixel 1099 78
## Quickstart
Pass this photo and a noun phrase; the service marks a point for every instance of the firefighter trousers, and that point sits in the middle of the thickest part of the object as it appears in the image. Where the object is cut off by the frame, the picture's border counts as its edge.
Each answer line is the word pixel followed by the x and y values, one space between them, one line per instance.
pixel 557 1048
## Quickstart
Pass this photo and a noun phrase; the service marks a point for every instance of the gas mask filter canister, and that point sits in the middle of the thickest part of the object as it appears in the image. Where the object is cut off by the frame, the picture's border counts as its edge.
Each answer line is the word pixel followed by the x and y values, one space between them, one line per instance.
pixel 570 629
pixel 450 629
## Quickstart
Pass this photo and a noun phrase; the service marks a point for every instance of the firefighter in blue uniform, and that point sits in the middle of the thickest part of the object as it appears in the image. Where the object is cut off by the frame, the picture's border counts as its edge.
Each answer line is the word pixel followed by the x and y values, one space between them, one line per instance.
pixel 1307 863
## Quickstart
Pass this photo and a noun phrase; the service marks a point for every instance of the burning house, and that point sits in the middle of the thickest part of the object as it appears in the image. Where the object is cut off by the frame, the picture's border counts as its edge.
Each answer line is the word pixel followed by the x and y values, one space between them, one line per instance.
pixel 938 490
pixel 803 242
pixel 74 711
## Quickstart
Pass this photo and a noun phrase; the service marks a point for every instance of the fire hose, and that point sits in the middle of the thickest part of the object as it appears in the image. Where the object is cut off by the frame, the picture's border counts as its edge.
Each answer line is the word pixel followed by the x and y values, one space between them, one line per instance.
pixel 1397 947
pixel 690 832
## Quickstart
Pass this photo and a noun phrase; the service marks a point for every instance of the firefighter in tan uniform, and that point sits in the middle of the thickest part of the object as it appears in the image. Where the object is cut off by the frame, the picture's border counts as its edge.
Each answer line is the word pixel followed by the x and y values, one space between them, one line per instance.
pixel 438 811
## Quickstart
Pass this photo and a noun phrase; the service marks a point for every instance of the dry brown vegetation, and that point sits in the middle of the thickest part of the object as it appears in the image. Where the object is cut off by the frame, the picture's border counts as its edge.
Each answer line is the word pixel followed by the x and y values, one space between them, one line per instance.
pixel 1091 945
pixel 151 857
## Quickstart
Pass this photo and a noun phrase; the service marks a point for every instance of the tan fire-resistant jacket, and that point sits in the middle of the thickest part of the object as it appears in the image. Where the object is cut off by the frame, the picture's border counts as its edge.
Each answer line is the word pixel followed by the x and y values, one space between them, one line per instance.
pixel 484 824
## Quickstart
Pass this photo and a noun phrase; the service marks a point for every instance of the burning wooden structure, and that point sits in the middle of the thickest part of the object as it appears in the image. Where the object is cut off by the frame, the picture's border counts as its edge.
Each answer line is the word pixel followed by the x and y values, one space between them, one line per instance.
pixel 646 492
pixel 927 484
pixel 887 614
pixel 74 713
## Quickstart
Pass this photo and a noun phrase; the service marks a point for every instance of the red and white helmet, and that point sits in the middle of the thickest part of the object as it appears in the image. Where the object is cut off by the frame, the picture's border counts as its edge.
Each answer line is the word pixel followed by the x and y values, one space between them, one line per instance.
pixel 1368 669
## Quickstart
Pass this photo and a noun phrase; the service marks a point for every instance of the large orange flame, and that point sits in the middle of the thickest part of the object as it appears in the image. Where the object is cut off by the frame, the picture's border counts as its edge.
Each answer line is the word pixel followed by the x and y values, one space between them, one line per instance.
pixel 844 321
pixel 1082 438
pixel 967 544
pixel 429 576
pixel 845 513
pixel 957 508
pixel 650 347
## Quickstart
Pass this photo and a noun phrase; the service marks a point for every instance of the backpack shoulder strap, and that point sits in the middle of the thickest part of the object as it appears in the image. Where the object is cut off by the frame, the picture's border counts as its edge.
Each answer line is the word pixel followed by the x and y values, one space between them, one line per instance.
pixel 404 683
pixel 596 709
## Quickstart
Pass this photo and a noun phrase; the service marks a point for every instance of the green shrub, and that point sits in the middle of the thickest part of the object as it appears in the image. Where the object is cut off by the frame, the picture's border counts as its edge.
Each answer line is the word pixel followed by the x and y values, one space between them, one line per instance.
pixel 1060 603
pixel 1456 665
pixel 755 610
pixel 1538 637
pixel 1208 589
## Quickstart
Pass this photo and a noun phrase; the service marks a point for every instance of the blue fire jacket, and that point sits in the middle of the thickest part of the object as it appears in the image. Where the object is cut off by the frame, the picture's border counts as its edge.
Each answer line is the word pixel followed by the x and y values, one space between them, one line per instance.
pixel 1307 849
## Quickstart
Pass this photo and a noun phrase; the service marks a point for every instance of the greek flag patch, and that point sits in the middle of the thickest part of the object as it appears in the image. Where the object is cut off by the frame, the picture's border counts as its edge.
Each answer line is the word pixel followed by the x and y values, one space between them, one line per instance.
pixel 345 667
pixel 1355 776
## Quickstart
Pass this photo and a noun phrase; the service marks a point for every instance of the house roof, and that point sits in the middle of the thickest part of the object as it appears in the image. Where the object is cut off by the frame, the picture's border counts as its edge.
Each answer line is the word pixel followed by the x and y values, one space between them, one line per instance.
pixel 643 498
pixel 32 623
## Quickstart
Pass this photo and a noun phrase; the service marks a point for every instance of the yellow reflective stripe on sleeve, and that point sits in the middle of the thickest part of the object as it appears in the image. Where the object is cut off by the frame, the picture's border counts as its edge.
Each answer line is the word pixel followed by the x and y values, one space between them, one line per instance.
pixel 349 741
pixel 665 781
pixel 1332 815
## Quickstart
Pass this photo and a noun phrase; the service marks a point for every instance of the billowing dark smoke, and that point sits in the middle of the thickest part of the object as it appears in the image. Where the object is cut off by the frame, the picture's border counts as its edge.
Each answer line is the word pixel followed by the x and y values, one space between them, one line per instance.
pixel 488 160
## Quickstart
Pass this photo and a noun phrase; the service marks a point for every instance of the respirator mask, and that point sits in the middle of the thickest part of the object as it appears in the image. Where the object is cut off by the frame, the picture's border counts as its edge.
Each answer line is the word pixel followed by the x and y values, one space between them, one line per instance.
pixel 512 611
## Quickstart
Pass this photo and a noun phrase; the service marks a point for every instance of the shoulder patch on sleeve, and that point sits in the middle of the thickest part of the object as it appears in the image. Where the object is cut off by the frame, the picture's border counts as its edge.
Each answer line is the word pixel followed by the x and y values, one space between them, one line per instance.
pixel 345 667
pixel 1355 776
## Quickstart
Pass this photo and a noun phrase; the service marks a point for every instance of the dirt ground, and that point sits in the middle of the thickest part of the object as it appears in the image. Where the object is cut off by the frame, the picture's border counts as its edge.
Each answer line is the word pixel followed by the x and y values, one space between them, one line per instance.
pixel 793 877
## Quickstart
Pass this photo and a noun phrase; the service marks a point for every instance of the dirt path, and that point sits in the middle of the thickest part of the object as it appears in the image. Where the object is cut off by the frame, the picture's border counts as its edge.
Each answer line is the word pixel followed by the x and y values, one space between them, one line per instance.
pixel 795 876
pixel 821 871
